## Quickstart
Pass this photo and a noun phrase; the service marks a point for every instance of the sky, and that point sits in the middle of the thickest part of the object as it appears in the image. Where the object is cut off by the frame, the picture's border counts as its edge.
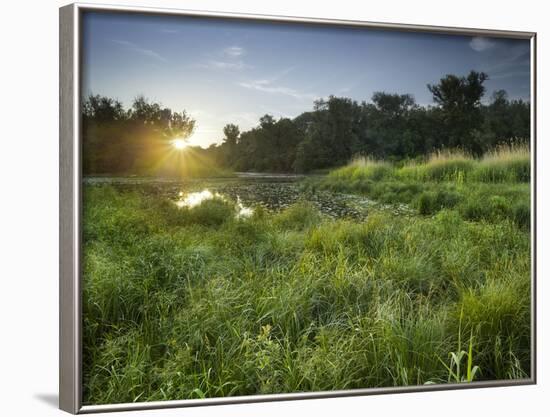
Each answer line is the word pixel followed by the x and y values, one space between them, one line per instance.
pixel 224 71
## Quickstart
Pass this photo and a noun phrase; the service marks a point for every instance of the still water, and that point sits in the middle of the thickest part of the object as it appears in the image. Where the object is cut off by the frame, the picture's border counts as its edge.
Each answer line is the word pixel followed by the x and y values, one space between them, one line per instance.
pixel 248 191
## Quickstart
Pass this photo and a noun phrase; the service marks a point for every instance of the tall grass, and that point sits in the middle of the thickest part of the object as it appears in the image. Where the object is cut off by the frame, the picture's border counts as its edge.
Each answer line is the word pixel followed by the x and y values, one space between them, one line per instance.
pixel 492 188
pixel 363 168
pixel 176 306
pixel 503 164
pixel 452 165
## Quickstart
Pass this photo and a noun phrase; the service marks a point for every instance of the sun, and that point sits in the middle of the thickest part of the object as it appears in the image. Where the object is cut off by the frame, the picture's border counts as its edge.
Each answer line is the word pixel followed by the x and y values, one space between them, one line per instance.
pixel 179 144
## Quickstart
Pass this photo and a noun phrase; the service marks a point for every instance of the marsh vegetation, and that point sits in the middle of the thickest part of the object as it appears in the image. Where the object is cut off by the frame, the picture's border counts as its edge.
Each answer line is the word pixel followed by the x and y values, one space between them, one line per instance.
pixel 193 300
pixel 409 265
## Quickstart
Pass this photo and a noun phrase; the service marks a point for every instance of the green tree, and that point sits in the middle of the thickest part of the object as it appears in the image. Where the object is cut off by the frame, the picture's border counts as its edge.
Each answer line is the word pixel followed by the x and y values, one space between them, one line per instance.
pixel 506 121
pixel 170 124
pixel 118 141
pixel 231 133
pixel 459 99
pixel 102 109
pixel 390 132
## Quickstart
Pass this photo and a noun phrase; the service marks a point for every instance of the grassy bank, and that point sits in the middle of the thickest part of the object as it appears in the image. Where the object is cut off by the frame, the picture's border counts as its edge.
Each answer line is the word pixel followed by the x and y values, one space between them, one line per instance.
pixel 493 188
pixel 193 303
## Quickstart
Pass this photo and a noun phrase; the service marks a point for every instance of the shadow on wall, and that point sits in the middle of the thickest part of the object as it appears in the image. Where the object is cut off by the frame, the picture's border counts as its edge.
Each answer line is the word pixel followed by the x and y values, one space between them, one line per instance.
pixel 49 399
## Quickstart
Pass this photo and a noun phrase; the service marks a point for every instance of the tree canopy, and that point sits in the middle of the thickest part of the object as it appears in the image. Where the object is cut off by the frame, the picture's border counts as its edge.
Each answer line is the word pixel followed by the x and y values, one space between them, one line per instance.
pixel 390 126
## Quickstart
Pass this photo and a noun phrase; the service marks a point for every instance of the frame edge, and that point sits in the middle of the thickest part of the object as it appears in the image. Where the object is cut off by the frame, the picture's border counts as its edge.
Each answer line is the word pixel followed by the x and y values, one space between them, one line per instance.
pixel 534 209
pixel 402 27
pixel 70 382
pixel 69 353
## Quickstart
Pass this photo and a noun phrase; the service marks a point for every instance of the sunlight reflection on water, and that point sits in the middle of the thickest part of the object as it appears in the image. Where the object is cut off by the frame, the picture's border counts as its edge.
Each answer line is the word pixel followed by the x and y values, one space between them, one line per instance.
pixel 191 200
pixel 242 210
pixel 194 199
pixel 249 194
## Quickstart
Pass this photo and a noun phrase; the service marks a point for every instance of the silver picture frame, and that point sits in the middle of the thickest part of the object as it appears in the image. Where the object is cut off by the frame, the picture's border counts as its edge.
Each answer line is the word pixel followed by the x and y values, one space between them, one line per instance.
pixel 70 206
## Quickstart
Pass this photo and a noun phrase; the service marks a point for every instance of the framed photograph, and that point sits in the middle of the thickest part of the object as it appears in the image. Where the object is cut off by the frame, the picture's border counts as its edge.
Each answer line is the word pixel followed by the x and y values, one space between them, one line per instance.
pixel 258 208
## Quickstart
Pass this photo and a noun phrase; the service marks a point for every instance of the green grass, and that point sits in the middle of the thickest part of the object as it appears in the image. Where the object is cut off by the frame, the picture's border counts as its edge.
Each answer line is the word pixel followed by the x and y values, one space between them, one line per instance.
pixel 363 169
pixel 442 166
pixel 504 164
pixel 195 303
pixel 493 188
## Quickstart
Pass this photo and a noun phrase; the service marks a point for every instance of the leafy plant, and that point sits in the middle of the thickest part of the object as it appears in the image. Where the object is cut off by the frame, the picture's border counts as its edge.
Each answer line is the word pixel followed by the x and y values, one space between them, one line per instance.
pixel 459 372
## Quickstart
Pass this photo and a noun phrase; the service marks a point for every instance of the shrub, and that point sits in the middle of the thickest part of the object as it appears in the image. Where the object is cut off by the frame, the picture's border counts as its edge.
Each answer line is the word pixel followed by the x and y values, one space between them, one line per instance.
pixel 471 209
pixel 447 199
pixel 498 207
pixel 368 237
pixel 172 214
pixel 427 203
pixel 414 273
pixel 522 214
pixel 298 217
pixel 212 212
pixel 496 308
pixel 492 208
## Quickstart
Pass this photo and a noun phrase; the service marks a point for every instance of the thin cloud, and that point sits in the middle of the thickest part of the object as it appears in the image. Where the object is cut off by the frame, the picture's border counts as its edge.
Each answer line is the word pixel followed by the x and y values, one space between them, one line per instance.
pixel 480 44
pixel 225 65
pixel 170 31
pixel 142 51
pixel 266 87
pixel 516 64
pixel 243 119
pixel 510 75
pixel 227 59
pixel 234 51
pixel 281 74
pixel 519 58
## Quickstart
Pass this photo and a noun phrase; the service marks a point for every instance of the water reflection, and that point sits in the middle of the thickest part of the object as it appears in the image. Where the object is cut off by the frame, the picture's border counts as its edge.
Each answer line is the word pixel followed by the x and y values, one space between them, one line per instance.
pixel 242 210
pixel 194 199
pixel 271 194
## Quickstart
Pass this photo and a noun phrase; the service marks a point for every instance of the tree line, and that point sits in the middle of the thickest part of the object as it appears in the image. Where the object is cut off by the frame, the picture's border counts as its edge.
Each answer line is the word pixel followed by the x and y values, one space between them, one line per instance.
pixel 391 126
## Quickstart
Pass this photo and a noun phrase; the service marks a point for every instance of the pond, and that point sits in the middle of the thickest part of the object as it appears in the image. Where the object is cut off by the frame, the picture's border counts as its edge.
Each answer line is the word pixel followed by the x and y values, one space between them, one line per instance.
pixel 273 192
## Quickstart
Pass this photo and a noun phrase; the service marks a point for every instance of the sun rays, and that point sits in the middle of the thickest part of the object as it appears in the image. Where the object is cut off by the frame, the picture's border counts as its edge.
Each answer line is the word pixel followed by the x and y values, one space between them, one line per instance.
pixel 178 157
pixel 179 144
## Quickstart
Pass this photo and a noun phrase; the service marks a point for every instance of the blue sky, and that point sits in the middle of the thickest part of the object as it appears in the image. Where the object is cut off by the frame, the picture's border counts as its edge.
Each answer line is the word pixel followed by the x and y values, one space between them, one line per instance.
pixel 229 71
